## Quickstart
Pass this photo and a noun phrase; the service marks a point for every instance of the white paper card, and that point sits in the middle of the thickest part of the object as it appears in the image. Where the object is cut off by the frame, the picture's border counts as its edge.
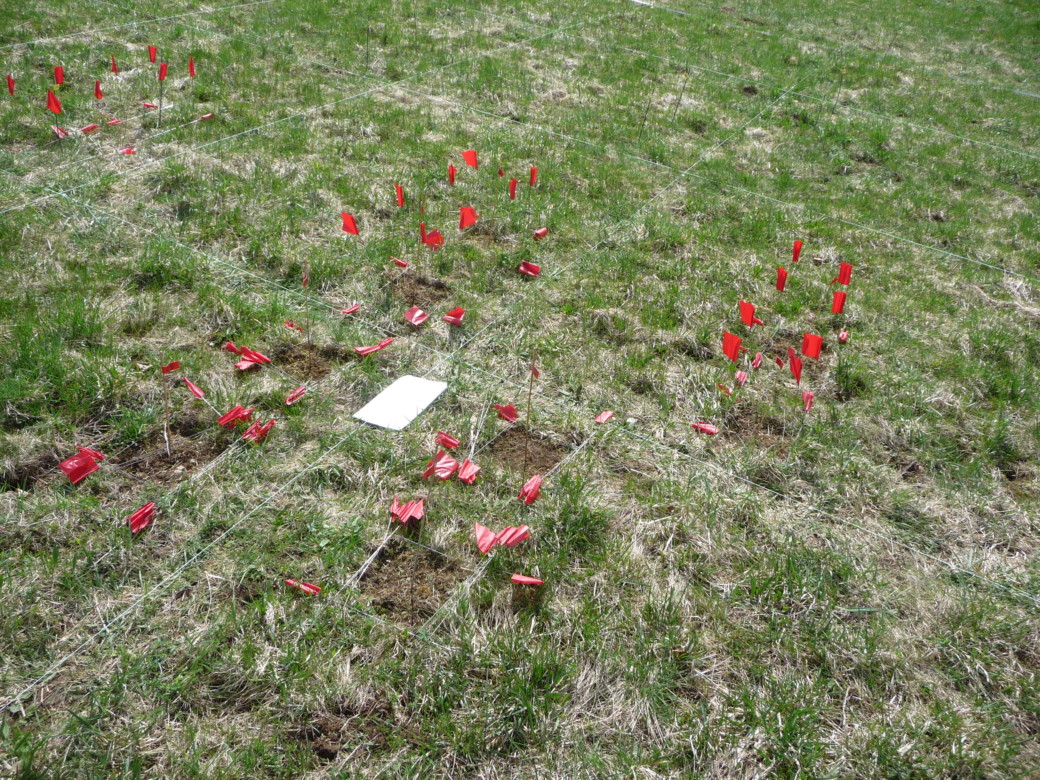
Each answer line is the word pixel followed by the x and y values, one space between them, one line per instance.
pixel 401 402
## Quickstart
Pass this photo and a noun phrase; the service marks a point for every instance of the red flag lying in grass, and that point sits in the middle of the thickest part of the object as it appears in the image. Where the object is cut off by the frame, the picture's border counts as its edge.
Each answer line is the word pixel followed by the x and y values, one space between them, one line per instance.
pixel 731 346
pixel 843 337
pixel 53 104
pixel 534 175
pixel 811 345
pixel 416 316
pixel 797 251
pixel 723 389
pixel 446 440
pixel 399 192
pixel 541 233
pixel 807 399
pixel 349 225
pixel 233 417
pixel 501 172
pixel 88 129
pixel 257 432
pixel 292 326
pixel 296 395
pixel 60 132
pixel 127 150
pixel 451 174
pixel 113 66
pixel 523 579
pixel 470 158
pixel 486 538
pixel 142 518
pixel 703 427
pixel 173 365
pixel 98 94
pixel 468 471
pixel 838 304
pixel 779 362
pixel 747 314
pixel 191 67
pixel 442 466
pixel 150 106
pixel 152 51
pixel 507 412
pixel 531 489
pixel 529 269
pixel 206 116
pixel 162 71
pixel 304 587
pixel 193 388
pixel 796 365
pixel 757 361
pixel 399 262
pixel 366 351
pixel 59 75
pixel 354 308
pixel 433 239
pixel 513 535
pixel 10 84
pixel 741 378
pixel 454 317
pixel 405 513
pixel 114 121
pixel 602 417
pixel 781 279
pixel 512 189
pixel 249 357
pixel 81 465
pixel 844 274
pixel 467 216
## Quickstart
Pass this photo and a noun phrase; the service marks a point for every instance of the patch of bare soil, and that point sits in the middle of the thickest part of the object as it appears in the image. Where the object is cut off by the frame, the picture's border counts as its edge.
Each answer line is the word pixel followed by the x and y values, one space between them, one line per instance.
pixel 408 583
pixel 508 449
pixel 25 476
pixel 418 290
pixel 327 733
pixel 188 453
pixel 310 361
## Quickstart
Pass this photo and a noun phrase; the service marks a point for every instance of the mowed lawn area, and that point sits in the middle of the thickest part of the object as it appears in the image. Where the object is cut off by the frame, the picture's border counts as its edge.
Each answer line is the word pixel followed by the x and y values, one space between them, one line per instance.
pixel 794 248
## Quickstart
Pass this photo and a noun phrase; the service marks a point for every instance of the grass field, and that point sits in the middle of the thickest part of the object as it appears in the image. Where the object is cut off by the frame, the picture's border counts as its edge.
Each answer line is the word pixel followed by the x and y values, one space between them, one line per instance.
pixel 848 592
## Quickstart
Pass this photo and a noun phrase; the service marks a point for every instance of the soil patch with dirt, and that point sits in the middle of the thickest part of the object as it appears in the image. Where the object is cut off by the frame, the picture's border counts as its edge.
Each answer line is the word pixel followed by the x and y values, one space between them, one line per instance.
pixel 418 290
pixel 327 733
pixel 26 475
pixel 310 361
pixel 509 448
pixel 189 451
pixel 408 583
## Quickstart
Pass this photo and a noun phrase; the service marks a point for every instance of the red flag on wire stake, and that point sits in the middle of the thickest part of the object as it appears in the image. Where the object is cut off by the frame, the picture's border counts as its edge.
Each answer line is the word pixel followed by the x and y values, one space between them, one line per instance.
pixel 468 471
pixel 405 513
pixel 193 388
pixel 731 346
pixel 162 71
pixel 512 189
pixel 142 518
pixel 451 174
pixel 296 395
pixel 513 535
pixel 470 158
pixel 191 67
pixel 796 365
pixel 741 378
pixel 446 440
pixel 441 466
pixel 366 351
pixel 257 432
pixel 843 337
pixel 152 51
pixel 811 345
pixel 399 192
pixel 113 121
pixel 529 269
pixel 796 252
pixel 173 365
pixel 541 233
pixel 349 225
pixel 531 489
pixel 10 84
pixel 523 579
pixel 705 428
pixel 304 587
pixel 114 68
pixel 807 399
pixel 352 309
pixel 399 262
pixel 234 416
pixel 534 175
pixel 838 304
pixel 757 361
pixel 844 274
pixel 81 465
pixel 53 104
pixel 467 216
pixel 98 94
pixel 59 131
pixel 602 417
pixel 501 172
pixel 781 279
pixel 454 317
pixel 59 75
pixel 747 314
pixel 416 316
pixel 486 538
pixel 88 129
pixel 507 412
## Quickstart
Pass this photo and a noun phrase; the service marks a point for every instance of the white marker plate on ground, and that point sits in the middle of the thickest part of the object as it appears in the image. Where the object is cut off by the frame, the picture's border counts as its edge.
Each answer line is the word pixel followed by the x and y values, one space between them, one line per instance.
pixel 401 402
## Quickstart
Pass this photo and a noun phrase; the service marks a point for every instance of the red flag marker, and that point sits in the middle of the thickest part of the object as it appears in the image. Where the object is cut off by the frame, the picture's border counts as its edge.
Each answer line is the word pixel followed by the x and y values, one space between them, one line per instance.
pixel 81 465
pixel 797 251
pixel 757 361
pixel 811 345
pixel 725 390
pixel 513 535
pixel 470 158
pixel 446 440
pixel 507 412
pixel 296 395
pixel 531 489
pixel 523 579
pixel 354 308
pixel 541 233
pixel 779 362
pixel 88 129
pixel 162 71
pixel 781 279
pixel 59 75
pixel 467 216
pixel 193 388
pixel 602 417
pixel 399 192
pixel 10 84
pixel 441 466
pixel 468 471
pixel 151 53
pixel 534 371
pixel 433 239
pixel 234 416
pixel 206 116
pixel 173 365
pixel 113 66
pixel 349 225
pixel 366 351
pixel 292 325
pixel 451 174
pixel 111 122
pixel 747 314
pixel 53 104
pixel 485 538
pixel 150 106
pixel 257 432
pixel 706 428
pixel 60 132
pixel 731 346
pixel 98 94
pixel 501 172
pixel 304 587
pixel 843 337
pixel 796 365
pixel 127 150
pixel 454 317
pixel 142 518
pixel 512 189
pixel 416 316
pixel 741 378
pixel 229 346
pixel 844 274
pixel 529 269
pixel 191 67
pixel 807 399
pixel 838 304
pixel 534 175
pixel 399 262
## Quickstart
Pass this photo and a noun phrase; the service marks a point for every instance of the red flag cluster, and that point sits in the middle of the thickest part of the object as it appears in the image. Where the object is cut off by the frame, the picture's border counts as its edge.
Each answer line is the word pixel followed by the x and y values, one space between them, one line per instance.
pixel 406 513
pixel 508 537
pixel 236 415
pixel 366 351
pixel 531 489
pixel 258 431
pixel 249 357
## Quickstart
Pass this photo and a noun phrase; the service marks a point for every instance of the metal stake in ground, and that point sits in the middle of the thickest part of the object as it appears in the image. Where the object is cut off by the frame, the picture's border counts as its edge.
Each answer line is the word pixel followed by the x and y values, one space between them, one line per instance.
pixel 530 393
pixel 166 407
pixel 682 91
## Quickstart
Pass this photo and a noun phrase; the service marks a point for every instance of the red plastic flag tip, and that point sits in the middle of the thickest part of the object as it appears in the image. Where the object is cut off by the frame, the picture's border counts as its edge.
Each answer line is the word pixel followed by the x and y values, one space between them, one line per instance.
pixel 602 417
pixel 292 326
pixel 395 507
pixel 150 106
pixel 81 465
pixel 229 346
pixel 416 316
pixel 512 189
pixel 706 428
pixel 534 371
pixel 173 365
pixel 470 158
pixel 127 150
pixel 59 131
pixel 501 172
pixel 191 66
pixel 53 104
pixel 513 535
pixel 88 129
pixel 354 308
pixel 844 274
pixel 468 471
pixel 296 395
pixel 796 365
pixel 757 361
pixel 838 304
pixel 531 489
pixel 206 116
pixel 235 415
pixel 731 346
pixel 114 121
pixel 114 67
pixel 507 412
pixel 529 269
pixel 366 351
pixel 162 71
pixel 725 390
pixel 534 175
pixel 399 192
pixel 152 51
pixel 142 518
pixel 98 94
pixel 467 216
pixel 413 510
pixel 433 239
pixel 807 399
pixel 59 75
pixel 349 225
pixel 541 233
pixel 747 314
pixel 10 84
pixel 441 466
pixel 523 579
pixel 485 538
pixel 797 251
pixel 304 587
pixel 193 388
pixel 399 262
pixel 811 345
pixel 256 432
pixel 454 317
pixel 741 378
pixel 843 337
pixel 451 174
pixel 781 279
pixel 446 440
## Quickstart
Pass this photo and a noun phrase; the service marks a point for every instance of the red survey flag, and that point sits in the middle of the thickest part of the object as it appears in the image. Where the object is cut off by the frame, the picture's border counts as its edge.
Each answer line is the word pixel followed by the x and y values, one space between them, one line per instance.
pixel 731 346
pixel 468 471
pixel 399 262
pixel 433 239
pixel 725 390
pixel 741 378
pixel 454 317
pixel 88 129
pixel 81 465
pixel 797 251
pixel 53 104
pixel 442 466
pixel 446 440
pixel 757 361
pixel 507 412
pixel 807 399
pixel 512 189
pixel 781 279
pixel 113 66
pixel 142 518
pixel 838 304
pixel 811 345
pixel 366 351
pixel 779 362
pixel 501 172
pixel 485 538
pixel 349 225
pixel 354 308
pixel 602 417
pixel 149 105
pixel 98 94
pixel 796 365
pixel 470 158
pixel 747 314
pixel 111 122
pixel 703 427
pixel 191 66
pixel 531 489
pixel 59 75
pixel 256 432
pixel 234 416
pixel 296 395
pixel 451 173
pixel 844 274
pixel 162 71
pixel 151 53
pixel 534 371
pixel 467 216
pixel 173 365
pixel 399 192
pixel 59 132
pixel 194 389
pixel 529 269
pixel 416 316
pixel 534 175
pixel 523 579
pixel 304 587
pixel 292 325
pixel 513 535
pixel 10 84
pixel 843 337
pixel 541 233
pixel 127 150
